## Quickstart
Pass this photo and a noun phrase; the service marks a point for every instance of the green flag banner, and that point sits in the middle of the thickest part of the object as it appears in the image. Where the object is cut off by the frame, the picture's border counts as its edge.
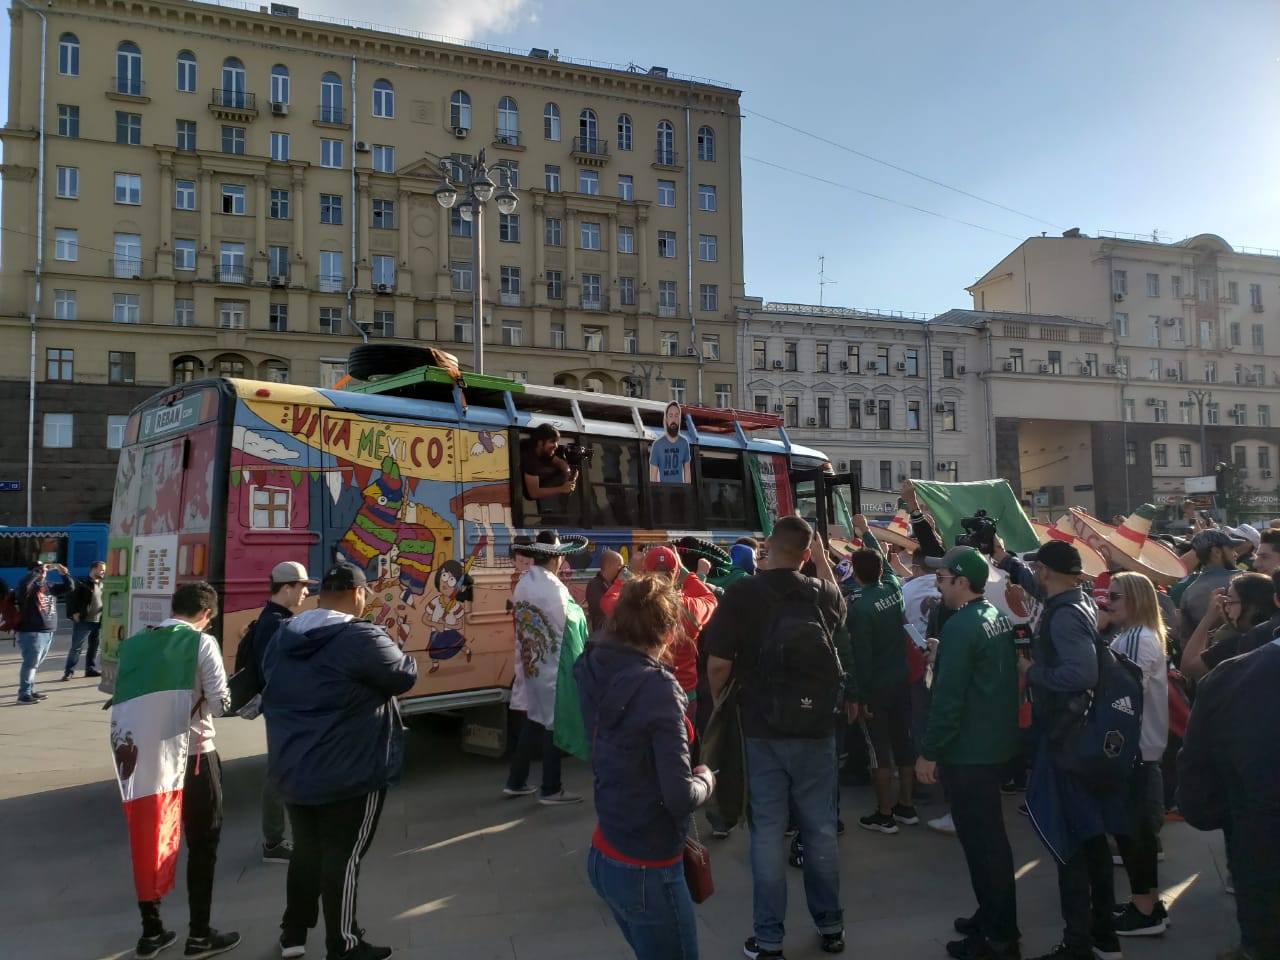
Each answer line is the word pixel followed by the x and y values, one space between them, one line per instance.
pixel 951 502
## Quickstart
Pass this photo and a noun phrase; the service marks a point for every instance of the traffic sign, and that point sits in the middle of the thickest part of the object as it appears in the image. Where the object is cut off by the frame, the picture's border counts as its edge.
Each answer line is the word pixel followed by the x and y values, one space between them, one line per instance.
pixel 10 486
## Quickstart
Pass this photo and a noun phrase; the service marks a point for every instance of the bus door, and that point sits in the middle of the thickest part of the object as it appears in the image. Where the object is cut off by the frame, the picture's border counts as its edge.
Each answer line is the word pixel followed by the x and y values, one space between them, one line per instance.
pixel 828 502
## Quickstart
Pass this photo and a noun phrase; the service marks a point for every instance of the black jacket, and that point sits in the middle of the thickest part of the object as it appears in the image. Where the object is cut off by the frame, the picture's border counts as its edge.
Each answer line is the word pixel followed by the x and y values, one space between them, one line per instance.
pixel 633 710
pixel 37 601
pixel 80 598
pixel 253 648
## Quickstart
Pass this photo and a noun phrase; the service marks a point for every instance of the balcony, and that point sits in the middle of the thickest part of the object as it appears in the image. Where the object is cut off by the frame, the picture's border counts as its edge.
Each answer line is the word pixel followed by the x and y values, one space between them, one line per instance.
pixel 666 159
pixel 510 298
pixel 509 139
pixel 331 116
pixel 668 309
pixel 590 151
pixel 233 105
pixel 236 273
pixel 593 303
pixel 128 89
pixel 126 268
pixel 329 283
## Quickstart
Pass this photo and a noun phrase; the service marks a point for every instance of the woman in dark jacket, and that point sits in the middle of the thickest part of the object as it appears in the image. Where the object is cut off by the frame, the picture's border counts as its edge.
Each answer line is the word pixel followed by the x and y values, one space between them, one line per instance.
pixel 645 792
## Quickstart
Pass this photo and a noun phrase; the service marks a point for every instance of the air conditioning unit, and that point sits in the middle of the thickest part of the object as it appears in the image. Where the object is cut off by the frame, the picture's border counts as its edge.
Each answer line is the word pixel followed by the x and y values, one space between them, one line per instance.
pixel 960 371
pixel 1007 366
pixel 939 408
pixel 382 287
pixel 1086 370
pixel 276 281
pixel 777 408
pixel 872 366
pixel 844 364
pixel 900 365
pixel 941 466
pixel 1233 413
pixel 1110 368
pixel 1152 401
pixel 506 139
pixel 691 351
pixel 1118 297
pixel 869 406
pixel 1170 321
pixel 461 132
pixel 1044 368
pixel 813 421
pixel 777 364
pixel 843 466
pixel 362 146
pixel 279 109
pixel 1266 474
pixel 1173 375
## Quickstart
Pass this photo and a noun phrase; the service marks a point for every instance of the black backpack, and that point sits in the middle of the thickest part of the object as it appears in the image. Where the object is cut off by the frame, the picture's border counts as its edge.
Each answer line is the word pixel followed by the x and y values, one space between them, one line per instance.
pixel 798 678
pixel 1098 734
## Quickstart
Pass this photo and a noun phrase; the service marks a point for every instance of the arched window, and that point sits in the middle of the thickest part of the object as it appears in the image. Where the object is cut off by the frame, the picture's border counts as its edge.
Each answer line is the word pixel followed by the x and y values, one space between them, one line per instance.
pixel 233 83
pixel 229 365
pixel 460 110
pixel 508 121
pixel 384 99
pixel 624 131
pixel 551 122
pixel 187 72
pixel 706 143
pixel 588 129
pixel 186 369
pixel 330 98
pixel 279 83
pixel 275 371
pixel 129 69
pixel 666 142
pixel 69 55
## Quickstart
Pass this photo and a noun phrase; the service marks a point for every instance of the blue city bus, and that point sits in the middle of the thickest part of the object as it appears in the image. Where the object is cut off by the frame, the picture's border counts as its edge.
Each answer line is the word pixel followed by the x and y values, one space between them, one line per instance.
pixel 76 546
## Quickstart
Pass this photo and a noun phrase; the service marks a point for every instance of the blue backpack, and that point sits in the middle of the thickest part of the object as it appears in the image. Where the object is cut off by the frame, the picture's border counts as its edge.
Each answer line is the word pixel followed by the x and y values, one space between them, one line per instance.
pixel 1097 737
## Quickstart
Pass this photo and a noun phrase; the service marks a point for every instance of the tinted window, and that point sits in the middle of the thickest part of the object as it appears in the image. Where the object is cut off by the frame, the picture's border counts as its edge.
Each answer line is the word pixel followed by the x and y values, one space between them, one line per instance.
pixel 613 483
pixel 673 505
pixel 724 492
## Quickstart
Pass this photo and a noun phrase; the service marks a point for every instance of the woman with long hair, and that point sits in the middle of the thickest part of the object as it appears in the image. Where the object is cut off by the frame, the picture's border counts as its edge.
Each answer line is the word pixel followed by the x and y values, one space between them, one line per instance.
pixel 645 791
pixel 1133 608
pixel 1247 602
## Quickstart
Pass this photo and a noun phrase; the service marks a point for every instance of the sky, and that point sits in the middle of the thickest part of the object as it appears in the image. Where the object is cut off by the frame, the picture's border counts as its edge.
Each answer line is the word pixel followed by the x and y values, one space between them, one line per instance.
pixel 1134 117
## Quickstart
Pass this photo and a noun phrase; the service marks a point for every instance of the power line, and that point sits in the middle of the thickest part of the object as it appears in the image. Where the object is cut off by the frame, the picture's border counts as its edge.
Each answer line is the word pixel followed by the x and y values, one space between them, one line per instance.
pixel 901 169
pixel 877 196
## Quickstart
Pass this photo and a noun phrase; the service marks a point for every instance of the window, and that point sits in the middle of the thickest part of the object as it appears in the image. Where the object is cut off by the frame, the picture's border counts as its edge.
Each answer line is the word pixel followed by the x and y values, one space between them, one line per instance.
pixel 913 362
pixel 552 231
pixel 1206 333
pixel 69 183
pixel 120 366
pixel 1211 413
pixel 593 338
pixel 1159 451
pixel 330 278
pixel 589 233
pixel 626 188
pixel 588 130
pixel 384 324
pixel 824 412
pixel 331 98
pixel 666 243
pixel 1210 372
pixel 1233 291
pixel 279 146
pixel 1184 454
pixel 1156 368
pixel 886 474
pixel 232 315
pixel 462 330
pixel 280 84
pixel 949 416
pixel 64 304
pixel 1153 284
pixel 331 153
pixel 184 194
pixel 125 308
pixel 706 198
pixel 1264 414
pixel 624 131
pixel 1130 409
pixel 1264 458
pixel 185 135
pixel 187 72
pixel 330 208
pixel 1055 361
pixel 186 369
pixel 384 271
pixel 822 354
pixel 128 78
pixel 126 255
pixel 588 182
pixel 233 199
pixel 331 320
pixel 508 121
pixel 384 99
pixel 1160 412
pixel 116 425
pixel 68 121
pixel 1241 415
pixel 882 361
pixel 707 247
pixel 1204 288
pixel 669 343
pixel 666 139
pixel 510 281
pixel 184 313
pixel 854 354
pixel 791 408
pixel 759 355
pixel 129 128
pixel 128 188
pixel 555 285
pixel 512 333
pixel 66 244
pixel 626 239
pixel 69 55
pixel 667 296
pixel 1131 453
pixel 184 254
pixel 551 122
pixel 1234 332
pixel 229 365
pixel 666 193
pixel 461 273
pixel 557 336
pixel 1255 295
pixel 279 207
pixel 917 469
pixel 884 411
pixel 678 389
pixel 1119 282
pixel 706 143
pixel 384 215
pixel 459 226
pixel 232 139
pixel 591 290
pixel 855 414
pixel 708 297
pixel 509 227
pixel 460 110
pixel 278 317
pixel 1179 330
pixel 1240 457
pixel 789 355
pixel 948 364
pixel 232 93
pixel 384 158
pixel 59 364
pixel 1121 321
pixel 761 402
pixel 551 177
pixel 913 414
pixel 630 342
pixel 1258 336
pixel 58 428
pixel 1153 331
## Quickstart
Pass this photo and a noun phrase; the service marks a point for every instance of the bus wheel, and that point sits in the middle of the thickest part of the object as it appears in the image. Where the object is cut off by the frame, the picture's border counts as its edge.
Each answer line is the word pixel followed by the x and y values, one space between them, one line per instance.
pixel 370 361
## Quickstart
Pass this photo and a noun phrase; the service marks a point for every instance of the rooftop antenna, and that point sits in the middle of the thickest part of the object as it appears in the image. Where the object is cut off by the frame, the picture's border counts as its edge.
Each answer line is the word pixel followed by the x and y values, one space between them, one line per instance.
pixel 822 279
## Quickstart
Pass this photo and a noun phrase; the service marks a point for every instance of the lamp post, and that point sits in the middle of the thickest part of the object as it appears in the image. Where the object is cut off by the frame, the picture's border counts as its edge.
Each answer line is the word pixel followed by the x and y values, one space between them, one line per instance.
pixel 477 189
pixel 1197 399
pixel 647 370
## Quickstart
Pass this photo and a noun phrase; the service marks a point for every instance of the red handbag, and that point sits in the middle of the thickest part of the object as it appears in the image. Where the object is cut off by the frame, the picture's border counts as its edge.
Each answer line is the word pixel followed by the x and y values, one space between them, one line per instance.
pixel 697 867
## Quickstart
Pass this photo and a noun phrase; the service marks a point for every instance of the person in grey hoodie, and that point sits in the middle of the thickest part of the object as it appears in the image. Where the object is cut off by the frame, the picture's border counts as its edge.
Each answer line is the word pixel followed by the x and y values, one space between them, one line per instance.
pixel 335 742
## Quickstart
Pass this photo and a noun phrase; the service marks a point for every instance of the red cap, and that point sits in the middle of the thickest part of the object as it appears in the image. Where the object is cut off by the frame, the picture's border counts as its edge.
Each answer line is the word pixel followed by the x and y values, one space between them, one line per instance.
pixel 660 558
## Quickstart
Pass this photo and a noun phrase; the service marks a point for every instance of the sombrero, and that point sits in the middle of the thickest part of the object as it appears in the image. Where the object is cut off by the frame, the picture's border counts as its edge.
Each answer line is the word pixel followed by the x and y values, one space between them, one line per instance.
pixel 897 533
pixel 695 549
pixel 1091 561
pixel 549 544
pixel 1128 546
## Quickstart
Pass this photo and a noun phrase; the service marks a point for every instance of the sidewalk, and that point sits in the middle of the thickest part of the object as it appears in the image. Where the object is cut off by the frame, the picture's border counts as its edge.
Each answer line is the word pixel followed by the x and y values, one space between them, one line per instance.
pixel 457 871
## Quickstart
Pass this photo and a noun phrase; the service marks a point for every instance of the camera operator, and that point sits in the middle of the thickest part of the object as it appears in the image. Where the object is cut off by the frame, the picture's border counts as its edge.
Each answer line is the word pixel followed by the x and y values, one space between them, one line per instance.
pixel 546 472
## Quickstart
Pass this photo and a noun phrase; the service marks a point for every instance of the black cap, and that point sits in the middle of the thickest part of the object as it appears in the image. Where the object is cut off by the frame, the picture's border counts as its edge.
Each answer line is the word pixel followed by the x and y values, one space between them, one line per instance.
pixel 1060 557
pixel 341 577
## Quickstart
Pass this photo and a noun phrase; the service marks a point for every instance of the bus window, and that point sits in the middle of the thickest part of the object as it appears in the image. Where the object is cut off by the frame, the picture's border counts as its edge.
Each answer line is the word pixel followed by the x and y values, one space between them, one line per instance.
pixel 613 483
pixel 561 509
pixel 724 500
pixel 673 505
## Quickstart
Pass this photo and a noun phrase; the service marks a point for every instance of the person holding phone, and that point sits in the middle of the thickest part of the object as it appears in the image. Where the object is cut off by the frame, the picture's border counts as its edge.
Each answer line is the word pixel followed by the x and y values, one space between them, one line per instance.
pixel 37 602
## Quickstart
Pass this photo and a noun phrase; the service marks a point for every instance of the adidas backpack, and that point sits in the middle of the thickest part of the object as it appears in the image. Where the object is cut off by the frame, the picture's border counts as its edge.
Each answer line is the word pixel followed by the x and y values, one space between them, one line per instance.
pixel 1100 743
pixel 798 675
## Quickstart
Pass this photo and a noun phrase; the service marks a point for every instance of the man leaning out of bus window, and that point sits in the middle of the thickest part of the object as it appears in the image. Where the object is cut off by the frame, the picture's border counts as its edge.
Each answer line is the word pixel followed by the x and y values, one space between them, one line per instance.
pixel 545 473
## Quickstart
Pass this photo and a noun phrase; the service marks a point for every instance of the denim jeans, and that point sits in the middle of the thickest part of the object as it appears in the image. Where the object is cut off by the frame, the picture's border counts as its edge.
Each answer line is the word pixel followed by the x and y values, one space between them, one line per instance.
pixel 651 904
pixel 34 647
pixel 796 776
pixel 81 632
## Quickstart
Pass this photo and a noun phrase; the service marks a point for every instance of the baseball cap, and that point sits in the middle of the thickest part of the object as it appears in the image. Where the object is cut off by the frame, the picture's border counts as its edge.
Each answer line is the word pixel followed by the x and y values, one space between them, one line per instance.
pixel 343 576
pixel 962 562
pixel 1206 540
pixel 660 558
pixel 290 571
pixel 1059 556
pixel 1248 532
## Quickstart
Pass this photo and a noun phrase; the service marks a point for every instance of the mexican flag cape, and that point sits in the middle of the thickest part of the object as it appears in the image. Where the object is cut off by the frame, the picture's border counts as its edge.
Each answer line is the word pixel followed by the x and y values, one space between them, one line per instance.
pixel 950 502
pixel 551 632
pixel 150 720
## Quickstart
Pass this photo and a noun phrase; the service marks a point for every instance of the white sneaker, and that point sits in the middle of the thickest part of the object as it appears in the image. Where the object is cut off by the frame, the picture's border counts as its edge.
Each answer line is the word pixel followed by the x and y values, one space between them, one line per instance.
pixel 560 799
pixel 524 791
pixel 943 824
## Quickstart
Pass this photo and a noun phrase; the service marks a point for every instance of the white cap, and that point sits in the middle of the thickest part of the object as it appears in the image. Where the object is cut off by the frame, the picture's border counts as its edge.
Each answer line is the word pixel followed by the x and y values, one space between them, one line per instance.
pixel 1247 532
pixel 289 572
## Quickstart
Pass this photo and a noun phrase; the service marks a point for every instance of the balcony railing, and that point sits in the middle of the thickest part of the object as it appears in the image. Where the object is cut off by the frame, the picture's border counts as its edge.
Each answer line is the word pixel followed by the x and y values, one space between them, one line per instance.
pixel 232 273
pixel 668 309
pixel 127 87
pixel 598 302
pixel 666 158
pixel 331 114
pixel 509 298
pixel 126 268
pixel 231 99
pixel 591 146
pixel 329 283
pixel 506 138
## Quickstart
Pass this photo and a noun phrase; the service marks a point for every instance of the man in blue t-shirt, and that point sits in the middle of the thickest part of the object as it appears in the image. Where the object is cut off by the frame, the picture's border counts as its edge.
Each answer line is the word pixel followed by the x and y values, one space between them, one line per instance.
pixel 670 457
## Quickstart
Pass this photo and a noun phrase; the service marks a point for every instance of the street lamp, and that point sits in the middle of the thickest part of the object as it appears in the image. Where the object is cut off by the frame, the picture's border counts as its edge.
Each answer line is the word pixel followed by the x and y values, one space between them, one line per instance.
pixel 477 189
pixel 1197 399
pixel 646 371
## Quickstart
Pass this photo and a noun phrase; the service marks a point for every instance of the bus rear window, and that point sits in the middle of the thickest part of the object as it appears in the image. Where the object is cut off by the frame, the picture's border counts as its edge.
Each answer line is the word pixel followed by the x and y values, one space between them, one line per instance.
pixel 724 499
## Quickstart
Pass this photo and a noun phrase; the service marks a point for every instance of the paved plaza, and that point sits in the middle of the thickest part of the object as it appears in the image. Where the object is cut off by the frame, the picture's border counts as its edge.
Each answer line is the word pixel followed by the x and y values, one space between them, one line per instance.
pixel 459 872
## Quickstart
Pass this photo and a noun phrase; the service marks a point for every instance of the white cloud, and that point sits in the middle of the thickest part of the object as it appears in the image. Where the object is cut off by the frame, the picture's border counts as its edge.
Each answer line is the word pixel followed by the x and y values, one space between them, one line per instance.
pixel 449 18
pixel 264 448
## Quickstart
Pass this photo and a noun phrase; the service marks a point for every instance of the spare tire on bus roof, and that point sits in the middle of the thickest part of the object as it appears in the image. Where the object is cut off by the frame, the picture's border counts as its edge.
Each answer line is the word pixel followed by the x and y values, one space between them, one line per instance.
pixel 369 361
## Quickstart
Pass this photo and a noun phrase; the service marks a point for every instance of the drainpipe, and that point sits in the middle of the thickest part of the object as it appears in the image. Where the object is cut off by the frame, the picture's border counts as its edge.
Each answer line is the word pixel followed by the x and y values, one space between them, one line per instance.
pixel 355 214
pixel 688 240
pixel 991 420
pixel 39 272
pixel 928 373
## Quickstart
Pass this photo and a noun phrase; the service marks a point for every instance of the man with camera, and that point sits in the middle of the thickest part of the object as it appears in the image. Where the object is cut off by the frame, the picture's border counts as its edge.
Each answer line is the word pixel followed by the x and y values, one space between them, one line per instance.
pixel 546 471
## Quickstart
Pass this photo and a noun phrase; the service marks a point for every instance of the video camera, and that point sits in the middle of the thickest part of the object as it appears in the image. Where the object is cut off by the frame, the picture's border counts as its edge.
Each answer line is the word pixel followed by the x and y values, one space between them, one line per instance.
pixel 979 532
pixel 575 454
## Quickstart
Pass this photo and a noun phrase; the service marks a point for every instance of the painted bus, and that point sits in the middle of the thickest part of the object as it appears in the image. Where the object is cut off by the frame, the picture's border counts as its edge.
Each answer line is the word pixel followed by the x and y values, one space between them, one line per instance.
pixel 417 478
pixel 77 546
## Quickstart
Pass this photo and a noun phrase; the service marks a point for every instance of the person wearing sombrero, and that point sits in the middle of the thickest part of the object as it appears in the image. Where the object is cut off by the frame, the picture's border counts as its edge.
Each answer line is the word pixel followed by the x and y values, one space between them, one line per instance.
pixel 551 631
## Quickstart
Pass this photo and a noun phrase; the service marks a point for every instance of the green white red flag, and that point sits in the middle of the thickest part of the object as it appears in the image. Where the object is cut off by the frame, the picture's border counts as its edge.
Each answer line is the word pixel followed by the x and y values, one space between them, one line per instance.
pixel 150 723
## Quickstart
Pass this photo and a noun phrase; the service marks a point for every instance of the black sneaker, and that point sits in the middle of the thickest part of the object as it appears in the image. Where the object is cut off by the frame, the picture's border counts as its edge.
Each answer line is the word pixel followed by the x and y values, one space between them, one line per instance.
pixel 905 815
pixel 977 947
pixel 833 942
pixel 1108 949
pixel 41 696
pixel 966 926
pixel 277 852
pixel 1009 788
pixel 881 822
pixel 210 945
pixel 1060 952
pixel 796 856
pixel 66 676
pixel 753 951
pixel 27 698
pixel 91 673
pixel 149 947
pixel 293 945
pixel 1132 922
pixel 367 951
